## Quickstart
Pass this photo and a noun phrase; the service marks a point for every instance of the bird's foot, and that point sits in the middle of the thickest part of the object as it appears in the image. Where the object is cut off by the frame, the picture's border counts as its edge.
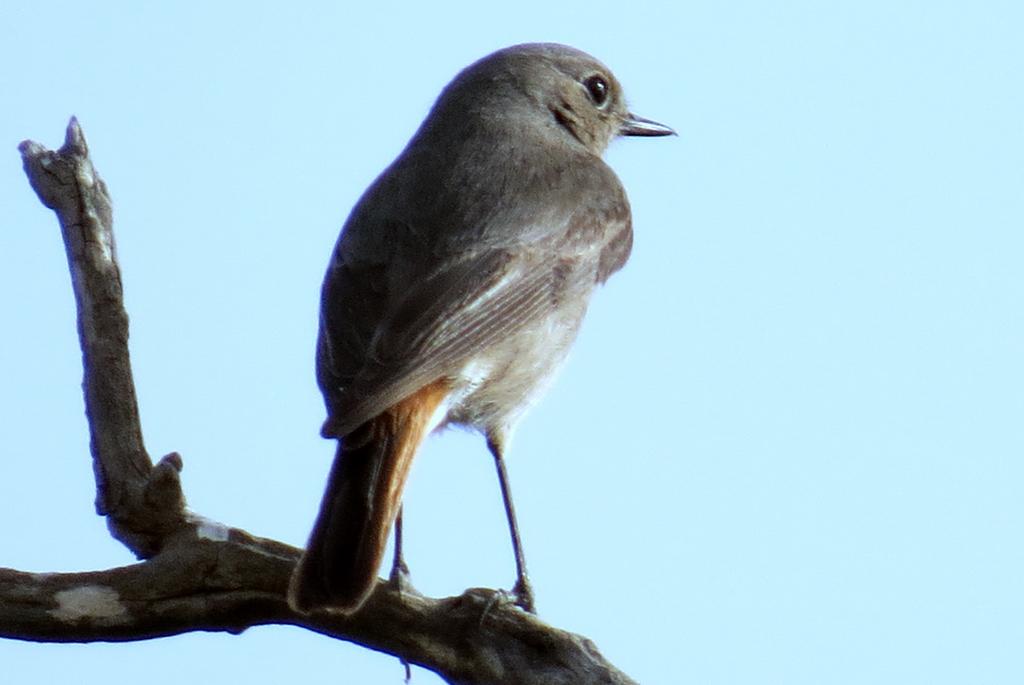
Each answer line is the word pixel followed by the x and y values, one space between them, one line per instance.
pixel 400 580
pixel 522 595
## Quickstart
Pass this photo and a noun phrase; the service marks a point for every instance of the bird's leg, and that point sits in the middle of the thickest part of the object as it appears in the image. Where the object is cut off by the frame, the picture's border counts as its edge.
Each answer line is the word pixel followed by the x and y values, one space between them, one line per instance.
pixel 399 577
pixel 522 591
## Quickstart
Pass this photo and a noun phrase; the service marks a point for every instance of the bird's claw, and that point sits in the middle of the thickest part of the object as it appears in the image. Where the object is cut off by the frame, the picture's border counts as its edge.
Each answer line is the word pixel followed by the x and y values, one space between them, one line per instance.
pixel 522 596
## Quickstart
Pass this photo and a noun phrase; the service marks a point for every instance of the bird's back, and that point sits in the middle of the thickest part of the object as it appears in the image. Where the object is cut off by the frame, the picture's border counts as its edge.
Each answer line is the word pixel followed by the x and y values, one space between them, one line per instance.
pixel 502 215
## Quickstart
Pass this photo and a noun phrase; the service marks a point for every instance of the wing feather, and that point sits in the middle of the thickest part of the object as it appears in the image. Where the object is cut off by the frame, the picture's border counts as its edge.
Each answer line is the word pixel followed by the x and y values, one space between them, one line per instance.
pixel 447 319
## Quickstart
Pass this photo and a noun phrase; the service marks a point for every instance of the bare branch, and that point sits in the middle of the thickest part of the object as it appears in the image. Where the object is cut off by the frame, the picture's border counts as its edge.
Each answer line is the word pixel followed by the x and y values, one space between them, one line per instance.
pixel 233 584
pixel 202 575
pixel 142 505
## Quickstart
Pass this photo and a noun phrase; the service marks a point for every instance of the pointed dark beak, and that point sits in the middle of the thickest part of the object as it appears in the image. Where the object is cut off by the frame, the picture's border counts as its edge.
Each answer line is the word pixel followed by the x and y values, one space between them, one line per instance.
pixel 638 126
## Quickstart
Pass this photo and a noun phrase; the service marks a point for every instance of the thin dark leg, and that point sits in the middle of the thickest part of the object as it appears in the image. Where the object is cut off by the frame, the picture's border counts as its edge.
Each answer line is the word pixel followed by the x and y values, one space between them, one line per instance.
pixel 399 570
pixel 399 577
pixel 522 590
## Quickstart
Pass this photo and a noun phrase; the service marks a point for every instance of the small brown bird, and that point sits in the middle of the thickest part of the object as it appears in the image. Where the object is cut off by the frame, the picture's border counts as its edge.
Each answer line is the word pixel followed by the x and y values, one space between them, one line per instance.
pixel 456 288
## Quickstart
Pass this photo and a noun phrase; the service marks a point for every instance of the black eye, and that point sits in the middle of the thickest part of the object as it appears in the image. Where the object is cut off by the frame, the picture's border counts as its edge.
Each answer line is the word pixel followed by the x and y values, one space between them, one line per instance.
pixel 597 88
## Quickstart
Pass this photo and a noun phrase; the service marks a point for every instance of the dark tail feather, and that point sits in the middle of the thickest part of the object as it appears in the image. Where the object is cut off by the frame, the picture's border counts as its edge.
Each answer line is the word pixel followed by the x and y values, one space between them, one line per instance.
pixel 363 495
pixel 348 538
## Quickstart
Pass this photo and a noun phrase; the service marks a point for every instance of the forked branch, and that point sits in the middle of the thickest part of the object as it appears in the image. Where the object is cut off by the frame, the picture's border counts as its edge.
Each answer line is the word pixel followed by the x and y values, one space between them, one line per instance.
pixel 201 575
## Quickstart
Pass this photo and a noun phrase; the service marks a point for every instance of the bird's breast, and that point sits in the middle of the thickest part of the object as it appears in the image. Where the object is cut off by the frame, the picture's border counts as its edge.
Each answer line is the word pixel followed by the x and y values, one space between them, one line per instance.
pixel 497 386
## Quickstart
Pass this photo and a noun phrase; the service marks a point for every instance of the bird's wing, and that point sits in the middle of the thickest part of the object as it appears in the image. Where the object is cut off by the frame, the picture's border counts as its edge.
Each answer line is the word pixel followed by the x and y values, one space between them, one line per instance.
pixel 388 329
pixel 443 321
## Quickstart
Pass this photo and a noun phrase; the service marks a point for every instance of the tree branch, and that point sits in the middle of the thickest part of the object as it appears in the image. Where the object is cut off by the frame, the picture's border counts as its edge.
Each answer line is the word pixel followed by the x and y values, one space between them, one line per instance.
pixel 202 575
pixel 142 504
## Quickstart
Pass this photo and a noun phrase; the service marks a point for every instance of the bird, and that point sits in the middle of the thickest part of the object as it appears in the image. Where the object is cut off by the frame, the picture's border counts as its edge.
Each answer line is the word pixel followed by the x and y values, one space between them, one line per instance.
pixel 456 289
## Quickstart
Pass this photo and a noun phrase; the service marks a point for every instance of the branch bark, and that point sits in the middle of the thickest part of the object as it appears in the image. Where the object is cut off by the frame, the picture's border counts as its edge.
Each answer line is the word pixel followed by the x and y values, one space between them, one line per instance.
pixel 197 574
pixel 142 504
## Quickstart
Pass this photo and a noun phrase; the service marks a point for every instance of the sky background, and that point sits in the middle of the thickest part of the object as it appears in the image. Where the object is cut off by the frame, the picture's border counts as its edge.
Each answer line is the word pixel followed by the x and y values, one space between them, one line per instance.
pixel 789 444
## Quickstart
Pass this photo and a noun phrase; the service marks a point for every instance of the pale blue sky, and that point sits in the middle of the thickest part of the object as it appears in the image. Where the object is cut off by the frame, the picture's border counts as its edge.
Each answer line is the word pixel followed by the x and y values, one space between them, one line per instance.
pixel 788 445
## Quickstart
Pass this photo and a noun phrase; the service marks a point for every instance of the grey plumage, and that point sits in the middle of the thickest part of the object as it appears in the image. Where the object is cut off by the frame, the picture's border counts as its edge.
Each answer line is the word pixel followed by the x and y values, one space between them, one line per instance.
pixel 470 261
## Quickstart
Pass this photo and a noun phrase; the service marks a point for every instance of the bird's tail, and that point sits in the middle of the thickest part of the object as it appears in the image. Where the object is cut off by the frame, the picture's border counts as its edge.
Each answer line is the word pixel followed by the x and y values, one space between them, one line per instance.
pixel 364 492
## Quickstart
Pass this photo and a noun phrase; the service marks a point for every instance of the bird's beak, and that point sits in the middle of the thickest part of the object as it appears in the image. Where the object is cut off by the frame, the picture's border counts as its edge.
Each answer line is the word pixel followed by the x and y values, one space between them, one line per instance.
pixel 638 126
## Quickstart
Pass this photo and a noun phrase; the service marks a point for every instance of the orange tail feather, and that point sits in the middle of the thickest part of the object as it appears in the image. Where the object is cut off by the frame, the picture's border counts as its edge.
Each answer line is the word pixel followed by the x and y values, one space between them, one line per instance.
pixel 364 493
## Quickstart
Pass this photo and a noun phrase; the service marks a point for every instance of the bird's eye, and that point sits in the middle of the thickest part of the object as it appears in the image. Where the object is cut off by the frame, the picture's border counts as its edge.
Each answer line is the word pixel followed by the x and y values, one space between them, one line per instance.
pixel 597 88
